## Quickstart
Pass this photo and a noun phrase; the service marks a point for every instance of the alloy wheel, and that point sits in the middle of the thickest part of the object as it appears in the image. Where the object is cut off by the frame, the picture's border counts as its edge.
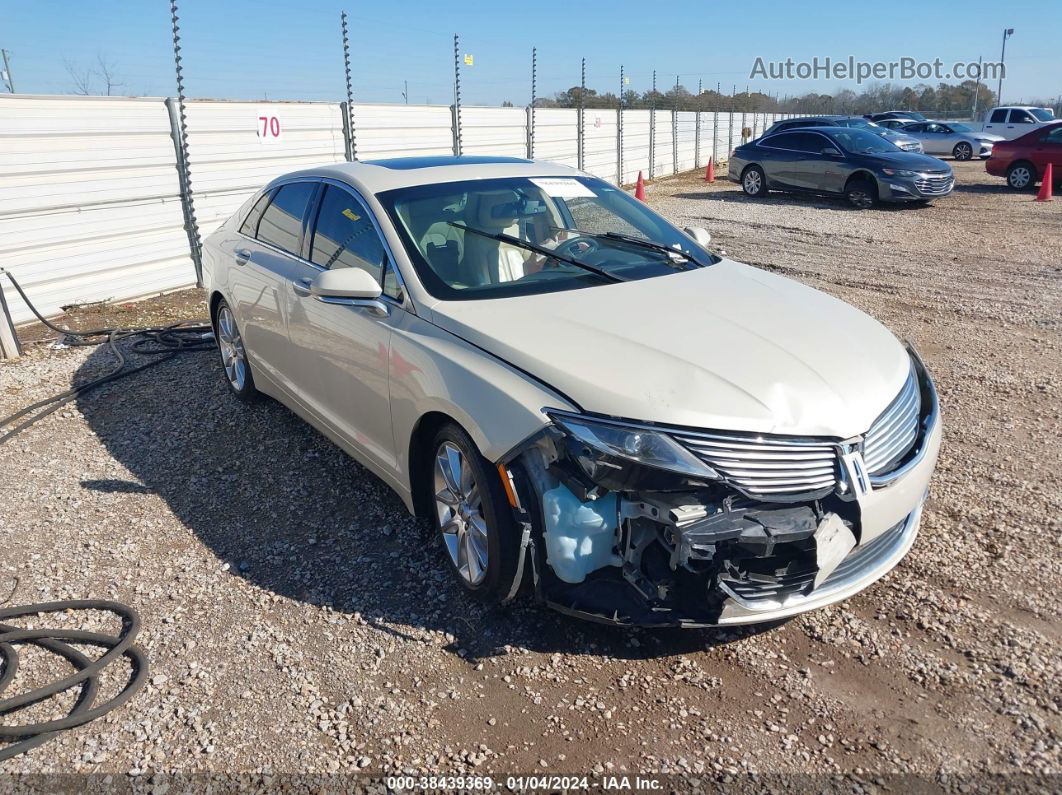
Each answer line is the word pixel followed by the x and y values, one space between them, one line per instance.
pixel 752 182
pixel 233 356
pixel 963 152
pixel 1020 177
pixel 459 506
pixel 860 198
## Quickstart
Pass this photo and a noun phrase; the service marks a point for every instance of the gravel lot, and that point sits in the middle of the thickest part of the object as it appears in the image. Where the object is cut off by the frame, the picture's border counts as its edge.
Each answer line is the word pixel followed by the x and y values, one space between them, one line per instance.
pixel 298 621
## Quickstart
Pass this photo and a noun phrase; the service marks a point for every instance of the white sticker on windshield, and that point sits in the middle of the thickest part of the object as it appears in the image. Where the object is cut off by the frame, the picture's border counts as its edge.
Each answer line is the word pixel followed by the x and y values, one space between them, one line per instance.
pixel 563 187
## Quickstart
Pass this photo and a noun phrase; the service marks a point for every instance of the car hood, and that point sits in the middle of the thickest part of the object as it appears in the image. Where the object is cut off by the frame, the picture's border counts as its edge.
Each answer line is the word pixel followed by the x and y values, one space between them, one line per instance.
pixel 985 137
pixel 914 161
pixel 892 135
pixel 726 347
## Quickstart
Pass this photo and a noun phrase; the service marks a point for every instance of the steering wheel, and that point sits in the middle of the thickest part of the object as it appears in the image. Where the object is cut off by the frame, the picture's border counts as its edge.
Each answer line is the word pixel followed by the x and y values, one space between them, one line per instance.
pixel 583 244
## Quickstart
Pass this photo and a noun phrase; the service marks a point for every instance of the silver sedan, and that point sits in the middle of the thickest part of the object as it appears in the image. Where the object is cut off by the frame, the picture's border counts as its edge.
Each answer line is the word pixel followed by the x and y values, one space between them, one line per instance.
pixel 951 138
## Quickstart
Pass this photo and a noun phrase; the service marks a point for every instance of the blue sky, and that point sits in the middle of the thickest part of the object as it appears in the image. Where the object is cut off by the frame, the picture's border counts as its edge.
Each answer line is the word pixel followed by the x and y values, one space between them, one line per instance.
pixel 241 49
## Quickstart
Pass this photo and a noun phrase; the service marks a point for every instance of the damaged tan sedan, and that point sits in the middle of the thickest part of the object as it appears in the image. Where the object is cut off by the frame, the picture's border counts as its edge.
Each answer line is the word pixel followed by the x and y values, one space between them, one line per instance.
pixel 584 401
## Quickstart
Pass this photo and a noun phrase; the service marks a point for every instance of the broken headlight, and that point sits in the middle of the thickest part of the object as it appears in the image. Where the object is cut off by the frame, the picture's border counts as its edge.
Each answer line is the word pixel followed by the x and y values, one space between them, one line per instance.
pixel 622 457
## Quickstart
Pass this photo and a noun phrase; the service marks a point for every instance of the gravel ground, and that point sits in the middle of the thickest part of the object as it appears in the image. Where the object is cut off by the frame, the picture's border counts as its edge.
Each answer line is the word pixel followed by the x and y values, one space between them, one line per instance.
pixel 298 621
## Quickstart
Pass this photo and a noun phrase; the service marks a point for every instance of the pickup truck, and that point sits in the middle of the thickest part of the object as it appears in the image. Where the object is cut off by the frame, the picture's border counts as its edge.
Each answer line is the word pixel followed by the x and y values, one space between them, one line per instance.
pixel 1013 121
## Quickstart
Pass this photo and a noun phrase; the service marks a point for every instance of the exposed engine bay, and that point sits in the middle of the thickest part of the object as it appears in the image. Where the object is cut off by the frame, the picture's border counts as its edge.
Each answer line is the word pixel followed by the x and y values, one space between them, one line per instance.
pixel 645 525
pixel 670 556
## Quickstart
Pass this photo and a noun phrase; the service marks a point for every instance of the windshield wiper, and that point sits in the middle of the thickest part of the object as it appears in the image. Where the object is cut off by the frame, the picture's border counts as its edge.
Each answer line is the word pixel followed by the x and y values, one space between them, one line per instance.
pixel 635 241
pixel 515 241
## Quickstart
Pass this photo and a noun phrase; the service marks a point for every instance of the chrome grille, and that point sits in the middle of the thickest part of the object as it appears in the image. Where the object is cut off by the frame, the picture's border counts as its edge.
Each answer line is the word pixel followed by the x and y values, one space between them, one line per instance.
pixel 767 465
pixel 895 431
pixel 934 183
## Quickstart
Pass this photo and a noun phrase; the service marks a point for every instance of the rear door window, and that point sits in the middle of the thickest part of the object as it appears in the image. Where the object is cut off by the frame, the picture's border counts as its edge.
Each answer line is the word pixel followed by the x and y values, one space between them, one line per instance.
pixel 250 223
pixel 282 221
pixel 998 116
pixel 783 141
pixel 809 142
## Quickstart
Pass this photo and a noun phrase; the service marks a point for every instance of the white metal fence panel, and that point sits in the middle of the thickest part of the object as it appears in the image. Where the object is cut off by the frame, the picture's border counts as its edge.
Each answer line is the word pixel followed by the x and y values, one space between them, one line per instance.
pixel 557 135
pixel 236 147
pixel 89 201
pixel 663 147
pixel 494 131
pixel 635 144
pixel 686 138
pixel 599 143
pixel 383 131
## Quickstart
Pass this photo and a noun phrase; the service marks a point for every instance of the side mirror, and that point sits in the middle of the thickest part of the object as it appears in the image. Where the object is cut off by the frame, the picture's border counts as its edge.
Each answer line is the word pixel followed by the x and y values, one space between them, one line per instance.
pixel 829 151
pixel 700 235
pixel 350 287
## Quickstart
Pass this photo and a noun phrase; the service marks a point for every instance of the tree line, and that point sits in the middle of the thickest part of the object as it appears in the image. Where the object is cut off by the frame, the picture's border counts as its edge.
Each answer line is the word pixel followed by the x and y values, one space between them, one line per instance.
pixel 944 99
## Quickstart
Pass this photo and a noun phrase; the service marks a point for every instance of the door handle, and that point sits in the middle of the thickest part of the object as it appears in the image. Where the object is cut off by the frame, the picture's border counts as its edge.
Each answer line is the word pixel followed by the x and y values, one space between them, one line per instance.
pixel 242 255
pixel 301 287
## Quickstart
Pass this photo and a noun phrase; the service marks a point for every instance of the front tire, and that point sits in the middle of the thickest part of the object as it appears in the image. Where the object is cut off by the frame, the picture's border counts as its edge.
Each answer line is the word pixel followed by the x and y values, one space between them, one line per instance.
pixel 861 194
pixel 1021 176
pixel 233 353
pixel 962 151
pixel 472 516
pixel 754 182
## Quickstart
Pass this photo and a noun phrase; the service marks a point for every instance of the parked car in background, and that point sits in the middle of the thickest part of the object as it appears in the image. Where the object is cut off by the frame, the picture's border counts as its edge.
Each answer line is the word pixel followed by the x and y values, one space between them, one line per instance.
pixel 1013 121
pixel 952 138
pixel 903 141
pixel 1024 160
pixel 897 114
pixel 519 350
pixel 895 124
pixel 858 164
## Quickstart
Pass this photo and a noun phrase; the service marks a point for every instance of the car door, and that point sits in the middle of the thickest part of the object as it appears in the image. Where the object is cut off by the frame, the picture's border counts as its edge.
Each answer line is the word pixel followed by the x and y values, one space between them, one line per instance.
pixel 1048 149
pixel 266 260
pixel 342 352
pixel 935 139
pixel 1018 123
pixel 781 160
pixel 997 123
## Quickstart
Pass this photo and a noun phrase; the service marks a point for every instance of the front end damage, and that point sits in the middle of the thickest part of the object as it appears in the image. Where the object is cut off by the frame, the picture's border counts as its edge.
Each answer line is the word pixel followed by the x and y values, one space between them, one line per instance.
pixel 624 525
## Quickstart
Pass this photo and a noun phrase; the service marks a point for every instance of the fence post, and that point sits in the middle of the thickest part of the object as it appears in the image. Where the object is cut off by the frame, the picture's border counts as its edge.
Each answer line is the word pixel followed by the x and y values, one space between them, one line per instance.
pixel 730 136
pixel 179 131
pixel 619 134
pixel 580 134
pixel 348 107
pixel 715 137
pixel 531 107
pixel 344 108
pixel 674 141
pixel 184 183
pixel 9 346
pixel 652 130
pixel 697 141
pixel 455 109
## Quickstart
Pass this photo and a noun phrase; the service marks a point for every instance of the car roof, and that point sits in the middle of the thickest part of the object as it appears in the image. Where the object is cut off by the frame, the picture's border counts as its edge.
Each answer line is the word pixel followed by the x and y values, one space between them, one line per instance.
pixel 376 176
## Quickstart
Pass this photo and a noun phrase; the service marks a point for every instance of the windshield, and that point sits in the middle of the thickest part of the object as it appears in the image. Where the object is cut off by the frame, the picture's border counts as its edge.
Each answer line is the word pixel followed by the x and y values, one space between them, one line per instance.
pixel 864 142
pixel 1042 114
pixel 959 127
pixel 492 238
pixel 914 114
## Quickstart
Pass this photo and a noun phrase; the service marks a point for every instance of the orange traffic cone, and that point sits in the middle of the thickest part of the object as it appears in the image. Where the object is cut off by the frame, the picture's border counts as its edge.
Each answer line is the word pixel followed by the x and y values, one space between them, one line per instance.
pixel 639 189
pixel 709 174
pixel 1045 187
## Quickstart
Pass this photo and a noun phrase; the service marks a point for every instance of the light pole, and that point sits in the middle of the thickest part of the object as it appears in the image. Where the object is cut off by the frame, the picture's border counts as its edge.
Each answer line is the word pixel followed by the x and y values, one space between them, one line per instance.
pixel 1007 33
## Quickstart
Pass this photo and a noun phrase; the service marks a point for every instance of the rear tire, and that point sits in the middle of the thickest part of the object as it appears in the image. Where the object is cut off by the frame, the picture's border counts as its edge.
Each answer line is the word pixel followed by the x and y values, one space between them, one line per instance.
pixel 861 193
pixel 754 182
pixel 1021 176
pixel 472 516
pixel 962 151
pixel 234 361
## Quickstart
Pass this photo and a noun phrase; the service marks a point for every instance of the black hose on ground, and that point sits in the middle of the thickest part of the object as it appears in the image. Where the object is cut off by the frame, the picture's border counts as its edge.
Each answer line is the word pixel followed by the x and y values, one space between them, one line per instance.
pixel 165 342
pixel 86 674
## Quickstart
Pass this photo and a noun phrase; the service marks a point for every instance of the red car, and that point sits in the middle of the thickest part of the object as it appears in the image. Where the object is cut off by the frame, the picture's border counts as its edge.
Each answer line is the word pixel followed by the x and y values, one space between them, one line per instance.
pixel 1024 160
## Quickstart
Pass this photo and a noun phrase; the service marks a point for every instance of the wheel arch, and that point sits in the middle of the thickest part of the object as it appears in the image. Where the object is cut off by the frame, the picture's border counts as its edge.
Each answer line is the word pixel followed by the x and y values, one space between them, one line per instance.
pixel 860 174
